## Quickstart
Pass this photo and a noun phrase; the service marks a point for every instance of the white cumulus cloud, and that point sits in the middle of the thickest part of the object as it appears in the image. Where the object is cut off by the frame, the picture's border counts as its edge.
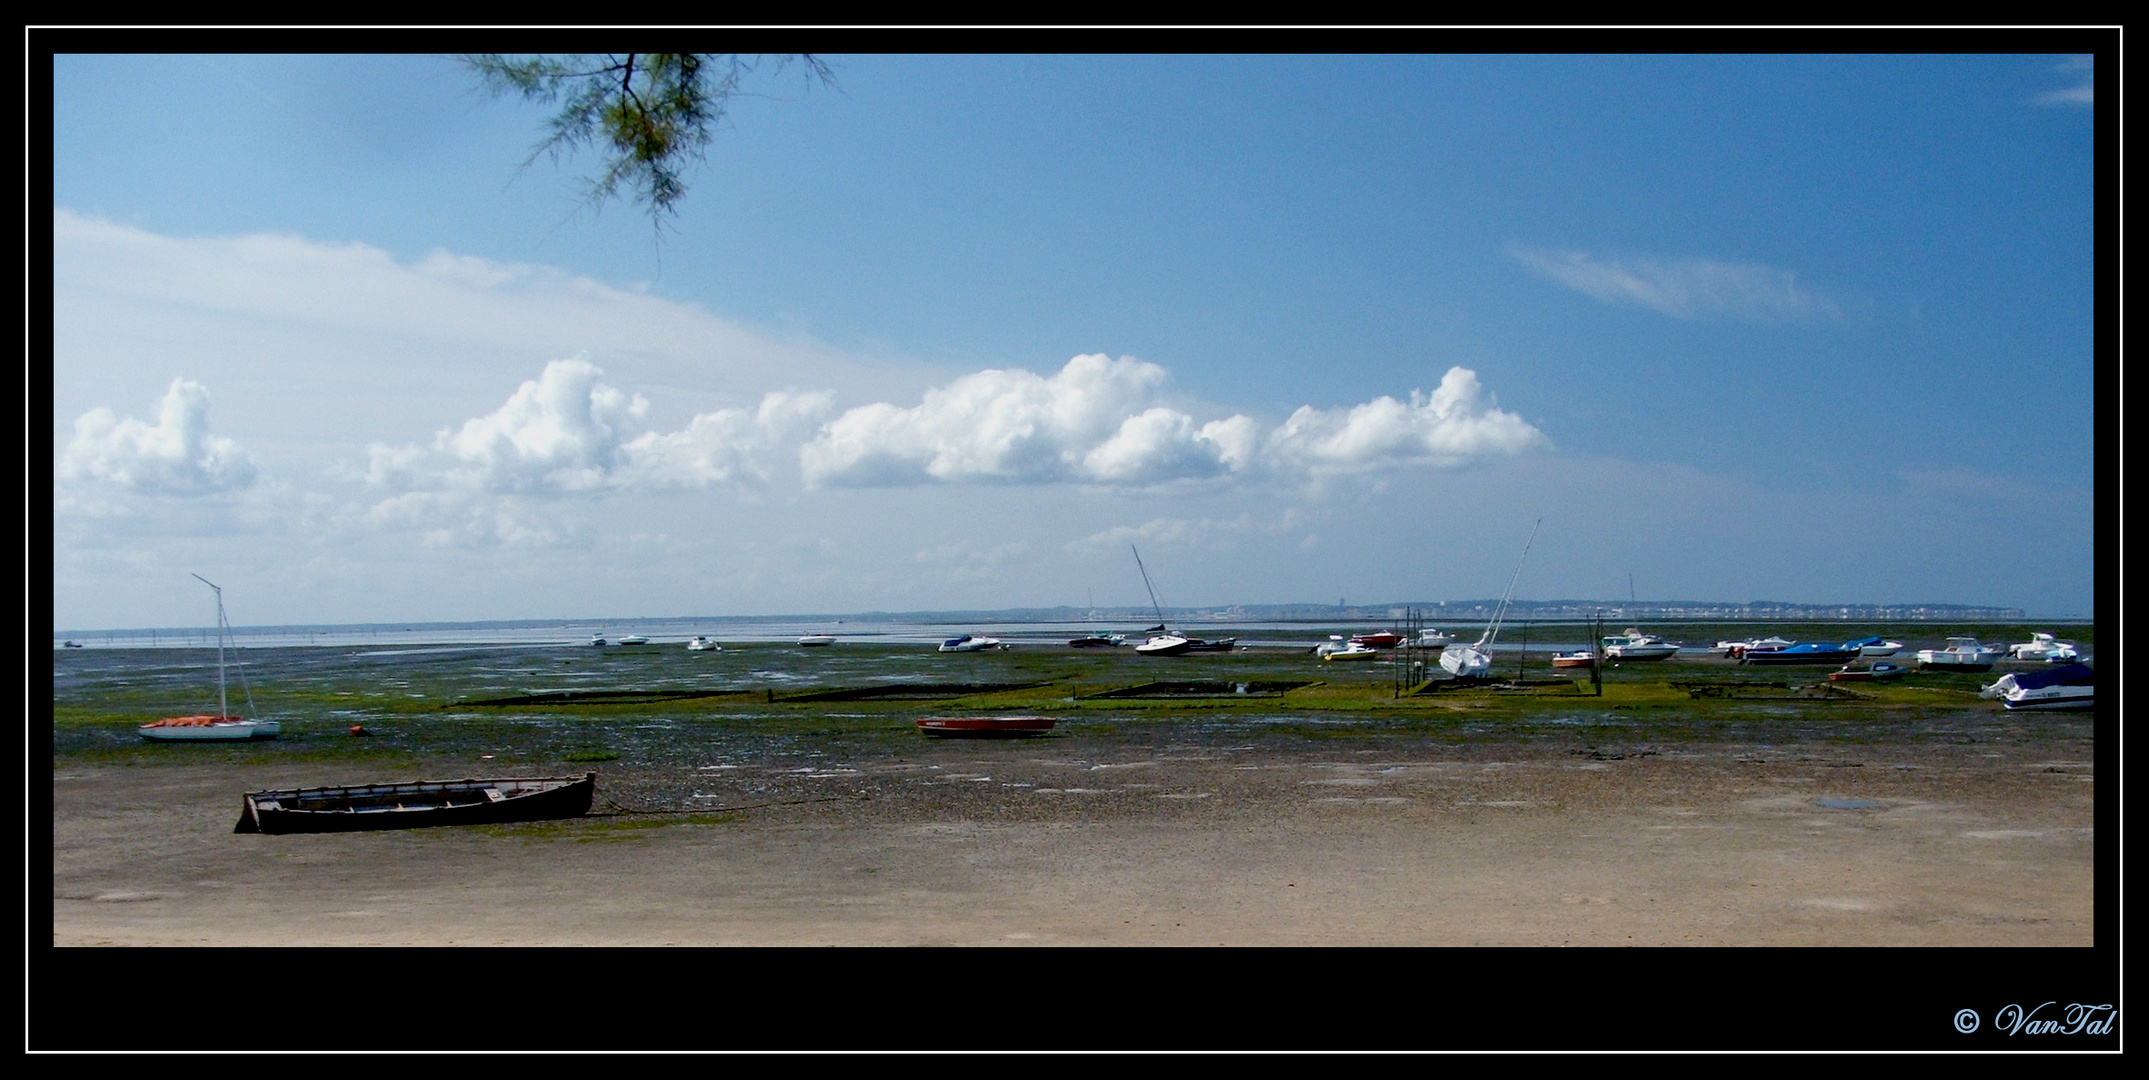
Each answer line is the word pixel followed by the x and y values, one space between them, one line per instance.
pixel 565 431
pixel 1094 421
pixel 1451 426
pixel 1686 288
pixel 175 456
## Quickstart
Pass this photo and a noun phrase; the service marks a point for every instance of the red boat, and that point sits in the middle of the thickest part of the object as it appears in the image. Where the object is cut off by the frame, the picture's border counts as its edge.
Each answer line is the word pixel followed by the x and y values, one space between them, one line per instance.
pixel 1385 639
pixel 1583 659
pixel 986 727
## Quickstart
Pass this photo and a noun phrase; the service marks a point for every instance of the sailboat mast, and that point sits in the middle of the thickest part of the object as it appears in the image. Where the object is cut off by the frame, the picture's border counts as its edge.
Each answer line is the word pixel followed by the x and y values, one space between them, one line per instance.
pixel 223 706
pixel 1145 582
pixel 1494 630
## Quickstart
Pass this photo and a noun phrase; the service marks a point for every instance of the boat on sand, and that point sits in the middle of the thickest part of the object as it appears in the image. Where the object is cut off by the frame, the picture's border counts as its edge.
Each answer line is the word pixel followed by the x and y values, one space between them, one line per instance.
pixel 222 726
pixel 417 804
pixel 1962 654
pixel 985 727
pixel 1475 661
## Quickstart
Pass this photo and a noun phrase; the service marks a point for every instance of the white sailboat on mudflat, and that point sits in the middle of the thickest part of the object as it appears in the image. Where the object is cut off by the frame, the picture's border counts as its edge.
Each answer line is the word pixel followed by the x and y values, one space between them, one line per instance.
pixel 1475 661
pixel 222 727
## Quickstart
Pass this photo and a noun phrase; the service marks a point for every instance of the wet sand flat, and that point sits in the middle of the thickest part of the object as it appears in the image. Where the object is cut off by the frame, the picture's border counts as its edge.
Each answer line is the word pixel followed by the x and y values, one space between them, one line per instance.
pixel 1092 840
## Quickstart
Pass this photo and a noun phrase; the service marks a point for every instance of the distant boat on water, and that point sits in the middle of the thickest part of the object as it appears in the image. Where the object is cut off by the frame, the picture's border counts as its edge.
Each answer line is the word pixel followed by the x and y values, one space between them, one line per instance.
pixel 970 643
pixel 815 641
pixel 703 644
pixel 634 639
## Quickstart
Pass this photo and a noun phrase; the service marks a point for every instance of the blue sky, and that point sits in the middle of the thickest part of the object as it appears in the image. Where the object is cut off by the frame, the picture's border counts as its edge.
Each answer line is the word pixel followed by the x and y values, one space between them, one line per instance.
pixel 956 332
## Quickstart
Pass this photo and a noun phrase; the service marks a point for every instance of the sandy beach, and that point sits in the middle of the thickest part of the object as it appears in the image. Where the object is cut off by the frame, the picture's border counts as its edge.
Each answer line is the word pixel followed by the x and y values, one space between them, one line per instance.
pixel 1098 840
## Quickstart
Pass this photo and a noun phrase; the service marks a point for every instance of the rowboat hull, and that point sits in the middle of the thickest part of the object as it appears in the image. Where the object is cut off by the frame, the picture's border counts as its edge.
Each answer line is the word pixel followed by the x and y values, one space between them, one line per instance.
pixel 985 727
pixel 418 804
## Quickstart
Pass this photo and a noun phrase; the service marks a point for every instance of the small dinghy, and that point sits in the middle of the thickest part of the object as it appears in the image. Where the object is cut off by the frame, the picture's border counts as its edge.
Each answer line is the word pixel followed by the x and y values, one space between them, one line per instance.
pixel 985 727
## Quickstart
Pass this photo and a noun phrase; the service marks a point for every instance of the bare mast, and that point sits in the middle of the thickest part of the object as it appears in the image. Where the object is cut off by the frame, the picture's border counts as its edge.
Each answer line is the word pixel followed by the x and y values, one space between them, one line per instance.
pixel 223 707
pixel 1145 583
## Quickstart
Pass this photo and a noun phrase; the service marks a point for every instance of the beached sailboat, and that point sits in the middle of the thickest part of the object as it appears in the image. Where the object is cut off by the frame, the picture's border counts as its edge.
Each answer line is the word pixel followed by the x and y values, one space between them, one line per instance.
pixel 1475 661
pixel 222 727
pixel 1162 641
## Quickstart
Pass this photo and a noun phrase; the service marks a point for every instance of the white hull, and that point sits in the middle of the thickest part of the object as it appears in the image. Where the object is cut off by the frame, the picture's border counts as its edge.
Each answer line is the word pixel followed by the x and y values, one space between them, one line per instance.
pixel 1354 653
pixel 1164 645
pixel 232 731
pixel 2052 699
pixel 816 640
pixel 1465 662
pixel 1885 648
pixel 703 645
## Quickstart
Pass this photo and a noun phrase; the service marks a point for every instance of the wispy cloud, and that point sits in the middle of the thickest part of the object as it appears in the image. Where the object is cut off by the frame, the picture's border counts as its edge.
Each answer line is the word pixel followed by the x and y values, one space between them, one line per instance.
pixel 175 456
pixel 2081 71
pixel 1686 288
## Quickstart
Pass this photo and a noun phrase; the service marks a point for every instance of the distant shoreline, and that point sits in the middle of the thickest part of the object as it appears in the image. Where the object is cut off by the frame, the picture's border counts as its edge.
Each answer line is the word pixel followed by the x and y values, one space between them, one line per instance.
pixel 1460 611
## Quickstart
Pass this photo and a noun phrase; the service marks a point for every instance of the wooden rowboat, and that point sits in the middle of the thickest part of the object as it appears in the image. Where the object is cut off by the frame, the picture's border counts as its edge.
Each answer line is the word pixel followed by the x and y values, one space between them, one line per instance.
pixel 985 727
pixel 417 804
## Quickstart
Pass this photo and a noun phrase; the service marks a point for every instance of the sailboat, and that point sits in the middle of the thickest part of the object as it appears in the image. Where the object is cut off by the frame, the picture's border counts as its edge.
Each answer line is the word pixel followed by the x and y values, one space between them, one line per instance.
pixel 1475 661
pixel 222 727
pixel 1162 642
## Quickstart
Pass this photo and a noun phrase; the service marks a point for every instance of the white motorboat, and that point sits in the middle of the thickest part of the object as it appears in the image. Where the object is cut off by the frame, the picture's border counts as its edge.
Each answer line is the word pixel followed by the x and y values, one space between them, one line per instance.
pixel 969 643
pixel 1635 645
pixel 222 727
pixel 598 639
pixel 1962 654
pixel 2047 648
pixel 1475 661
pixel 702 644
pixel 1433 639
pixel 1737 649
pixel 814 641
pixel 1167 643
pixel 1874 646
pixel 2066 687
pixel 634 639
